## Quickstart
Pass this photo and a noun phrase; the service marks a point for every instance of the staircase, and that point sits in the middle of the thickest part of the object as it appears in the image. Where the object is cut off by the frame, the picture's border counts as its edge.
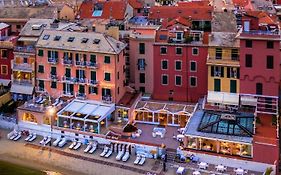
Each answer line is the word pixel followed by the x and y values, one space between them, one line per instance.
pixel 171 154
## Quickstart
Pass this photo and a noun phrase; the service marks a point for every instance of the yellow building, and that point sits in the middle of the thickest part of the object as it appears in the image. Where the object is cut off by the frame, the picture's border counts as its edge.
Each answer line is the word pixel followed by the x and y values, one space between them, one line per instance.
pixel 223 63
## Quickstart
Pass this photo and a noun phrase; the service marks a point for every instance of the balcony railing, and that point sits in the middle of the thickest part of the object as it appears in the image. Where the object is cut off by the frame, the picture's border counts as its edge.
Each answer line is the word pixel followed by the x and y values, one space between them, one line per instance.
pixel 25 67
pixel 40 89
pixel 25 49
pixel 69 79
pixel 93 82
pixel 92 64
pixel 81 95
pixel 81 63
pixel 53 60
pixel 53 77
pixel 106 99
pixel 262 32
pixel 67 62
pixel 68 93
pixel 81 80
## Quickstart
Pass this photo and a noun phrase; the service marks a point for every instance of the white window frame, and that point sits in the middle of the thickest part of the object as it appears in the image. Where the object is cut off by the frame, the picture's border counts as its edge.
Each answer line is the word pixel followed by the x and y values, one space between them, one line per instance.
pixel 162 79
pixel 197 51
pixel 167 64
pixel 195 79
pixel 176 65
pixel 4 58
pixel 176 50
pixel 165 48
pixel 176 80
pixel 195 66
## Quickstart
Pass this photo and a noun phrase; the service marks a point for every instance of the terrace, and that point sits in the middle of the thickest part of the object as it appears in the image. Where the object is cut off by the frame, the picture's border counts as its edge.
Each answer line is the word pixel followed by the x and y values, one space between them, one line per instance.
pixel 25 49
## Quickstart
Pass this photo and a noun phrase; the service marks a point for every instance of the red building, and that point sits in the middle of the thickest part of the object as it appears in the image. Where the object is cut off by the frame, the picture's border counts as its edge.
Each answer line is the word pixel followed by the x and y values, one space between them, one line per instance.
pixel 6 53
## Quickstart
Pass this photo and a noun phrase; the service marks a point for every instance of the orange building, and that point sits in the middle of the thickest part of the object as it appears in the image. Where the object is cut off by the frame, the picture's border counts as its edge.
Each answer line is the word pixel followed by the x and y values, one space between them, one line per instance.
pixel 81 65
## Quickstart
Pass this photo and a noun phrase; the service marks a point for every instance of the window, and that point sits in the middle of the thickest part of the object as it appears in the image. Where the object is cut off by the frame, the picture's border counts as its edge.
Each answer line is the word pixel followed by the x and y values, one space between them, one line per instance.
pixel 93 58
pixel 270 44
pixel 195 51
pixel 93 76
pixel 93 90
pixel 141 64
pixel 118 90
pixel 57 38
pixel 164 64
pixel 269 62
pixel 233 72
pixel 218 53
pixel 4 53
pixel 25 60
pixel 4 70
pixel 179 35
pixel 178 50
pixel 248 60
pixel 41 85
pixel 70 39
pixel 178 65
pixel 107 76
pixel 53 71
pixel 53 85
pixel 193 66
pixel 233 86
pixel 141 48
pixel 118 76
pixel 259 88
pixel 107 59
pixel 217 71
pixel 68 72
pixel 217 85
pixel 41 69
pixel 80 74
pixel 40 52
pixel 142 89
pixel 53 54
pixel 234 54
pixel 163 50
pixel 46 37
pixel 178 80
pixel 193 81
pixel 249 43
pixel 142 77
pixel 164 79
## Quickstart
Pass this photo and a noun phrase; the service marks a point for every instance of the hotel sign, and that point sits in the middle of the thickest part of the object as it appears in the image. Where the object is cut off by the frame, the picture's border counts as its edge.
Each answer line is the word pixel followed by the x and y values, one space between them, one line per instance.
pixel 228 117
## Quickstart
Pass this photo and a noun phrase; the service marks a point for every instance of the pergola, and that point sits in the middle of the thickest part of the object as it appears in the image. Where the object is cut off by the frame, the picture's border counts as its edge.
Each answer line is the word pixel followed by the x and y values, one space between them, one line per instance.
pixel 86 114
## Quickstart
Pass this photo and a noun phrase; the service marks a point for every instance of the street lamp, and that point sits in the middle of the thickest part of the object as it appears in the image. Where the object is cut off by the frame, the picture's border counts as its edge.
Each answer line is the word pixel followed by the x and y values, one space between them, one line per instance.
pixel 51 111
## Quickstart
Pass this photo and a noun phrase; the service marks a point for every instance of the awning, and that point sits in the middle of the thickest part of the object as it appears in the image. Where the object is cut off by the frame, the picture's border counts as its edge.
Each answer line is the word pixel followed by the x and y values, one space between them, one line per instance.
pixel 22 89
pixel 5 82
pixel 231 99
pixel 30 39
pixel 249 100
pixel 214 97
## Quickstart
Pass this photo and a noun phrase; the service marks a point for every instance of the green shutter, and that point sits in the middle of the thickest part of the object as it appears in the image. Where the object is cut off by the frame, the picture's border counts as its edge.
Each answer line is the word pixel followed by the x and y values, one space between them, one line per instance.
pixel 217 85
pixel 233 86
pixel 40 53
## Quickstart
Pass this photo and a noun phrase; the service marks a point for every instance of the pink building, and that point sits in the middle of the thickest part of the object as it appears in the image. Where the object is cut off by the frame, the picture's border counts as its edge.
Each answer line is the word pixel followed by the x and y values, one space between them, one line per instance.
pixel 82 65
pixel 141 58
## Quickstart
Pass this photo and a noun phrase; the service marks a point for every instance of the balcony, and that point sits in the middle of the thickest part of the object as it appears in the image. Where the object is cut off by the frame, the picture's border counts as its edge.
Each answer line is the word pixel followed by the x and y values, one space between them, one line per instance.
pixel 68 93
pixel 67 62
pixel 92 65
pixel 7 42
pixel 81 80
pixel 25 49
pixel 53 77
pixel 93 82
pixel 40 89
pixel 24 67
pixel 262 32
pixel 23 82
pixel 81 63
pixel 107 99
pixel 81 96
pixel 69 79
pixel 53 60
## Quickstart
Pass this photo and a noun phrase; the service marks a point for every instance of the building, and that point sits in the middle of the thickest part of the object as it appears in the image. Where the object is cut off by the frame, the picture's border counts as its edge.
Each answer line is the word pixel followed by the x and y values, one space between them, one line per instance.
pixel 82 65
pixel 141 58
pixel 6 53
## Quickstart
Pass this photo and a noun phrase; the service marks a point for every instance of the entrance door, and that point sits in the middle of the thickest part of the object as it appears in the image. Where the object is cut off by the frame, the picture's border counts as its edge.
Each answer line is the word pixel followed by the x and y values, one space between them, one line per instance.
pixel 217 85
pixel 163 119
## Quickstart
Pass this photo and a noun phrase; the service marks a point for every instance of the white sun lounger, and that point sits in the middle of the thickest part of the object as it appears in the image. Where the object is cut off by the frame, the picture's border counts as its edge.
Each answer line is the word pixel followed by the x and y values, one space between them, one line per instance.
pixel 77 145
pixel 88 148
pixel 62 142
pixel 141 162
pixel 17 137
pixel 56 102
pixel 41 102
pixel 28 137
pixel 108 153
pixel 126 156
pixel 33 137
pixel 72 145
pixel 15 134
pixel 94 148
pixel 137 159
pixel 56 142
pixel 43 141
pixel 120 155
pixel 48 140
pixel 105 150
pixel 38 100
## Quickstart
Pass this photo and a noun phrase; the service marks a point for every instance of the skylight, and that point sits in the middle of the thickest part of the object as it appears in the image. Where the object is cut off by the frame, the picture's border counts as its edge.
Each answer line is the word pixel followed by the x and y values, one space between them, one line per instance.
pixel 97 13
pixel 84 40
pixel 57 38
pixel 96 41
pixel 46 37
pixel 70 39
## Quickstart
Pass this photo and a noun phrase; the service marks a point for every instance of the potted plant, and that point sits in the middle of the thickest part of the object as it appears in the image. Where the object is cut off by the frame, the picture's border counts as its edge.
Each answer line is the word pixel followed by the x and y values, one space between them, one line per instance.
pixel 268 171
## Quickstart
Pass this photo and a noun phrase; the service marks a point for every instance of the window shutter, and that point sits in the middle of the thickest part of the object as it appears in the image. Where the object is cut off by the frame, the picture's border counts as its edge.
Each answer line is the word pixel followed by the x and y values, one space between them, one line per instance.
pixel 212 71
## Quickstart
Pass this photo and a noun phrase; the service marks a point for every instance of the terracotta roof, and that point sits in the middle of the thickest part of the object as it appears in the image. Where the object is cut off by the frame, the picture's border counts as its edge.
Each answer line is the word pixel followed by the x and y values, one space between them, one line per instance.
pixel 136 4
pixel 110 9
pixel 263 17
pixel 180 20
pixel 196 10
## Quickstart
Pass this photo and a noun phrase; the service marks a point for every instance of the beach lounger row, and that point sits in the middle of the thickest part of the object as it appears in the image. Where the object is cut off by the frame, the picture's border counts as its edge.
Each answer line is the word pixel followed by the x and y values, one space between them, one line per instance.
pixel 107 151
pixel 14 135
pixel 92 147
pixel 140 160
pixel 31 137
pixel 45 140
pixel 60 142
pixel 75 145
pixel 123 153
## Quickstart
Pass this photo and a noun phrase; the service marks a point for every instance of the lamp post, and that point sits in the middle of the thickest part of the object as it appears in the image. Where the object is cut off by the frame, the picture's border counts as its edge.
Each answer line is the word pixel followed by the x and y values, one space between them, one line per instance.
pixel 51 112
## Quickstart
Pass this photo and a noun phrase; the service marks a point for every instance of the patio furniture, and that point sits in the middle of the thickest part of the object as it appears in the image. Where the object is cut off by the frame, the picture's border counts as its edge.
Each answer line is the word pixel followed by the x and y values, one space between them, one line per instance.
pixel 56 142
pixel 62 142
pixel 181 130
pixel 109 152
pixel 94 148
pixel 89 146
pixel 105 150
pixel 28 137
pixel 32 138
pixel 141 162
pixel 17 137
pixel 180 137
pixel 196 173
pixel 137 159
pixel 239 171
pixel 181 170
pixel 203 165
pixel 126 156
pixel 158 132
pixel 220 168
pixel 77 145
pixel 72 145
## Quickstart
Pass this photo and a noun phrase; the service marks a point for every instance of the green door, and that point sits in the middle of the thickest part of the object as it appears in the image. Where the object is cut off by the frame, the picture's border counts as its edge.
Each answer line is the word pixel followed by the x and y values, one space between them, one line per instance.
pixel 233 86
pixel 217 85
